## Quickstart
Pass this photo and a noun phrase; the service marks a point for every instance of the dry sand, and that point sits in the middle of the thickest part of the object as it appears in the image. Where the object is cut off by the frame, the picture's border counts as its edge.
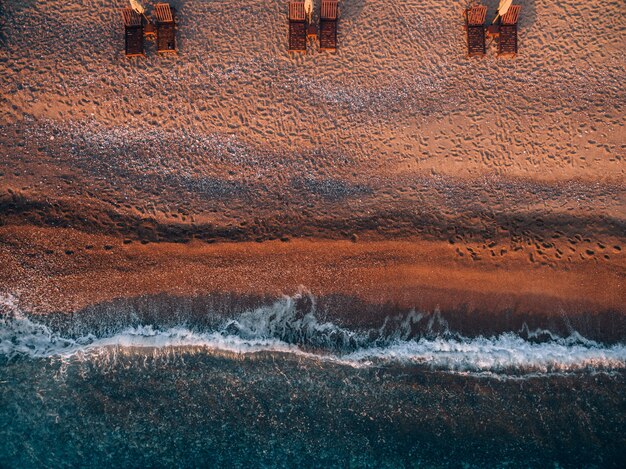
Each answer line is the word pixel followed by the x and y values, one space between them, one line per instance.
pixel 492 182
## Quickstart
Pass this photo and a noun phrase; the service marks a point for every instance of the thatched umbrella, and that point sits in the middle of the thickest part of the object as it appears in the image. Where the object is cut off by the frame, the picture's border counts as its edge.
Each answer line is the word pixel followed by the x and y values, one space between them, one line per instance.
pixel 138 7
pixel 308 9
pixel 503 8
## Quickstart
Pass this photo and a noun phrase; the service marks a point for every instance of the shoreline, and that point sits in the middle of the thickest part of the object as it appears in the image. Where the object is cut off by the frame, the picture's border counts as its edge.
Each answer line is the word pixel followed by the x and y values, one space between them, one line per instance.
pixel 56 270
pixel 489 187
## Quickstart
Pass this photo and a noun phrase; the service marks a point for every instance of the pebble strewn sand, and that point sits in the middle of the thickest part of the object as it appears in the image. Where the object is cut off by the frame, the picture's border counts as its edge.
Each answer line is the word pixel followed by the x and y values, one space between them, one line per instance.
pixel 397 136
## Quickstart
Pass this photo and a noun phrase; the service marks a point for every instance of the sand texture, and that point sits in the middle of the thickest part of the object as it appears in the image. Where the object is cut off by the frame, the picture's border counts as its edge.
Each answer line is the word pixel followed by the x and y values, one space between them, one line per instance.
pixel 63 270
pixel 500 178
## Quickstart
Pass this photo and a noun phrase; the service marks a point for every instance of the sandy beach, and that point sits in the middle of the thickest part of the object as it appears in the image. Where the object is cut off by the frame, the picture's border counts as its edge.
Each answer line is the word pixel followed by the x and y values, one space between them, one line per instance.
pixel 390 255
pixel 439 180
pixel 63 270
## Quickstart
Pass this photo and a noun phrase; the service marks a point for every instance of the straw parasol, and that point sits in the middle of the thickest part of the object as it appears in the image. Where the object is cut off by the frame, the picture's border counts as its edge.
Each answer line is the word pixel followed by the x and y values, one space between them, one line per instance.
pixel 503 8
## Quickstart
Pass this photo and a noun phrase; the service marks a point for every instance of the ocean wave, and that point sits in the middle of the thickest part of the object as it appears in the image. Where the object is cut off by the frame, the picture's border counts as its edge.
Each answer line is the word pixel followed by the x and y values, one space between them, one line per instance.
pixel 290 326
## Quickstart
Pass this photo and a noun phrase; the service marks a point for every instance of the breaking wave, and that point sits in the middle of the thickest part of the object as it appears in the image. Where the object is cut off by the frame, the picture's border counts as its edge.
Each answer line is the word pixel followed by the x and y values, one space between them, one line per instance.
pixel 290 326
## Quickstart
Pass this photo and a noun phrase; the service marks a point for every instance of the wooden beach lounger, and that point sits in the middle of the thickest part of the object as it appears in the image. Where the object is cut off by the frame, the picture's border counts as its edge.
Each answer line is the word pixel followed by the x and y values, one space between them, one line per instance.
pixel 166 28
pixel 507 42
pixel 475 27
pixel 329 15
pixel 133 38
pixel 297 27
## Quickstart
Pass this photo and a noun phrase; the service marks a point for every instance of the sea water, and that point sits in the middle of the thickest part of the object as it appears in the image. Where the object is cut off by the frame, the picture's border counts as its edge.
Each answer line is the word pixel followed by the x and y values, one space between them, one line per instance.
pixel 275 386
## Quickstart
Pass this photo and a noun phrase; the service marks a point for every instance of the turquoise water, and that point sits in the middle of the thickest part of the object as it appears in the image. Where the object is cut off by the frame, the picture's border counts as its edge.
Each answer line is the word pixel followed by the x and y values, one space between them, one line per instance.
pixel 277 387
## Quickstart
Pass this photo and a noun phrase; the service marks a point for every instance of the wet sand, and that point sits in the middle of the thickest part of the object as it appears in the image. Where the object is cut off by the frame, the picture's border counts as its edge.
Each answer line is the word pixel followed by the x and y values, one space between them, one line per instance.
pixel 67 270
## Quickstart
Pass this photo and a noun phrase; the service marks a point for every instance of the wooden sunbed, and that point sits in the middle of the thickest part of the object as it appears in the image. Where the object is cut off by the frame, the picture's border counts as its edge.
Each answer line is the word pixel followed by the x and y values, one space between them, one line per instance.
pixel 166 28
pixel 297 27
pixel 133 37
pixel 507 42
pixel 475 28
pixel 329 15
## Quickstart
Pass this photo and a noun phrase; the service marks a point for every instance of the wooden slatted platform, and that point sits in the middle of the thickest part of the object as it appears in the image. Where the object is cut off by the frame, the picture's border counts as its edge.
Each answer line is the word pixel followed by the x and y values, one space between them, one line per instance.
pixel 297 27
pixel 163 13
pixel 476 15
pixel 507 41
pixel 296 11
pixel 166 28
pixel 329 10
pixel 475 28
pixel 329 15
pixel 133 33
pixel 511 16
pixel 131 18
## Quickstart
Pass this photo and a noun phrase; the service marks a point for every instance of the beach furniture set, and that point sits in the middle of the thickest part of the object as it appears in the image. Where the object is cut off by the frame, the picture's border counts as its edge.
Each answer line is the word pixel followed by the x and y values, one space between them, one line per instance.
pixel 504 31
pixel 302 28
pixel 138 28
pixel 162 29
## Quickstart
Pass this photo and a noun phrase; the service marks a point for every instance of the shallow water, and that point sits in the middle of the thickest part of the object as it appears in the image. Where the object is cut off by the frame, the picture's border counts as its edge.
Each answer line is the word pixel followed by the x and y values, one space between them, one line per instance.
pixel 276 386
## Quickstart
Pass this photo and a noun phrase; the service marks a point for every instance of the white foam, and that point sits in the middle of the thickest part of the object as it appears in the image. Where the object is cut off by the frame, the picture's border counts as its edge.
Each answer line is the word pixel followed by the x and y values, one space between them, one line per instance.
pixel 503 353
pixel 279 329
pixel 180 337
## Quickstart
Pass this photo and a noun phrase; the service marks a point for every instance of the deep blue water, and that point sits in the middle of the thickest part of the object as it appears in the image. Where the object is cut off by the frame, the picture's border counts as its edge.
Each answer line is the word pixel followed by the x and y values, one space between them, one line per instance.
pixel 276 387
